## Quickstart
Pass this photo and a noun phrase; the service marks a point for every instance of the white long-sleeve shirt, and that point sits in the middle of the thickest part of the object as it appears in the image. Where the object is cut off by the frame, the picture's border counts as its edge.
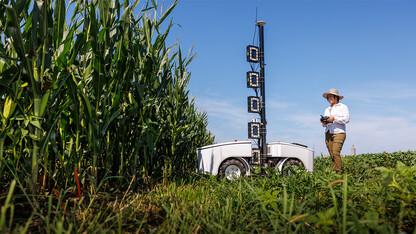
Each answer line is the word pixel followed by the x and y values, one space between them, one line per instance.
pixel 341 115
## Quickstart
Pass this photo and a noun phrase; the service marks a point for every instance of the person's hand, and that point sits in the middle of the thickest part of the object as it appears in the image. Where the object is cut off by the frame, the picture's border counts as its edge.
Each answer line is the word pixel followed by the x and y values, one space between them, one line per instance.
pixel 331 119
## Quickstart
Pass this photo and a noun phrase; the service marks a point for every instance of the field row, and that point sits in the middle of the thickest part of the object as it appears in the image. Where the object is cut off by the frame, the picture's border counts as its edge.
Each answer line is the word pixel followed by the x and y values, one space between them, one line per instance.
pixel 376 194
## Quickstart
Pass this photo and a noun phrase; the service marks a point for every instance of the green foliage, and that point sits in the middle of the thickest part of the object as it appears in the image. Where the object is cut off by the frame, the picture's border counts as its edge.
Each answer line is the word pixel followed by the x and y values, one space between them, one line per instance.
pixel 102 93
pixel 318 202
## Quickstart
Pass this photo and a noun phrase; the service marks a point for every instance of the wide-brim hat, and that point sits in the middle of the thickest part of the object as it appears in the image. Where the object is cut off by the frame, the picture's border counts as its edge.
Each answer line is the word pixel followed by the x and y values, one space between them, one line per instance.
pixel 333 92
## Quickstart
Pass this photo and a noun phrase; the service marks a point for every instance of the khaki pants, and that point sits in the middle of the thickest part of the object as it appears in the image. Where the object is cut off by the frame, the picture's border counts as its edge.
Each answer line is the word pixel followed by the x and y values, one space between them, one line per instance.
pixel 334 144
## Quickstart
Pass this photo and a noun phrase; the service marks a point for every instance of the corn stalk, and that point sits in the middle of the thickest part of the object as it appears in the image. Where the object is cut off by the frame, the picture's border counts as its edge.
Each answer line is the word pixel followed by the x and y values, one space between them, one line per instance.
pixel 102 93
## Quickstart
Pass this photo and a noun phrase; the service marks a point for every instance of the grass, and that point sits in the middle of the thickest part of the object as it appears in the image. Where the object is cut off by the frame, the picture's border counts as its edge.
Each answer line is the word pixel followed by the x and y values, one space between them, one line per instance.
pixel 381 200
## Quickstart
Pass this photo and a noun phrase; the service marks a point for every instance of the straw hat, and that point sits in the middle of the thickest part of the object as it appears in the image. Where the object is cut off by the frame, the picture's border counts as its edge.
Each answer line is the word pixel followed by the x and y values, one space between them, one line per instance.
pixel 333 92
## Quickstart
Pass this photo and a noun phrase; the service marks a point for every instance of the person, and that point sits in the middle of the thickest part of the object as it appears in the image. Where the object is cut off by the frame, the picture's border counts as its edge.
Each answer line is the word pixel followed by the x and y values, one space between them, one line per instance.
pixel 335 131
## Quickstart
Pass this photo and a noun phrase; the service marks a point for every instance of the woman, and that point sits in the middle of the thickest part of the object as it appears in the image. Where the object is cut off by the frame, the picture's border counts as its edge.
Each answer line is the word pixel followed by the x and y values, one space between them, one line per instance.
pixel 338 116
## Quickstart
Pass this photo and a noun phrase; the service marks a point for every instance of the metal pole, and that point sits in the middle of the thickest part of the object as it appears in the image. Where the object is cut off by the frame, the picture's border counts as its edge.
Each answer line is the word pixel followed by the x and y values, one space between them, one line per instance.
pixel 263 143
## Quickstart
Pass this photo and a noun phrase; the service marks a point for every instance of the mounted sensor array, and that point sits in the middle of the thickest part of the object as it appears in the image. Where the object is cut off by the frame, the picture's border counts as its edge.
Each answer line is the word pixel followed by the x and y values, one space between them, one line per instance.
pixel 257 104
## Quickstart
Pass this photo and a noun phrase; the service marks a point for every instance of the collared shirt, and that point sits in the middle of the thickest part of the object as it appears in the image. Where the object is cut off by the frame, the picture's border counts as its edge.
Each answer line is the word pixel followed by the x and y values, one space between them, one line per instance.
pixel 342 116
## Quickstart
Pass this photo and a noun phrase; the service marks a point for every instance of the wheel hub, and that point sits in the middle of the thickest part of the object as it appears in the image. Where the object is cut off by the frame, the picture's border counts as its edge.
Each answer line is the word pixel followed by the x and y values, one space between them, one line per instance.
pixel 232 172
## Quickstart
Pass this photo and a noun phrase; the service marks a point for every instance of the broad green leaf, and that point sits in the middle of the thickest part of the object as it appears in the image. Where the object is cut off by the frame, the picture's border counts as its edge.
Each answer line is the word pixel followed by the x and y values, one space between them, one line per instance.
pixel 24 132
pixel 167 13
pixel 113 116
pixel 34 137
pixel 44 102
pixel 19 117
pixel 296 218
pixel 13 29
pixel 35 123
pixel 8 108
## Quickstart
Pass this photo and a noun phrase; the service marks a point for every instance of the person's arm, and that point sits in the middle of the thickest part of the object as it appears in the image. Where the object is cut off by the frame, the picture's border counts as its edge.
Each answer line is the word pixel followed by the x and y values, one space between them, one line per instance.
pixel 326 113
pixel 341 115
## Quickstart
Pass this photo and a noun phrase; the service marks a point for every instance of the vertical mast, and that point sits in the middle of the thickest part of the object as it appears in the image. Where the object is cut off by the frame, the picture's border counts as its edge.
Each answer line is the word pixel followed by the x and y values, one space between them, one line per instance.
pixel 263 143
pixel 256 104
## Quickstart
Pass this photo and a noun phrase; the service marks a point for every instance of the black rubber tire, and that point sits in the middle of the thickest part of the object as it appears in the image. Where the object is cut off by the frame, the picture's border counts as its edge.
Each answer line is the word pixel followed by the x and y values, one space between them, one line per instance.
pixel 232 166
pixel 290 163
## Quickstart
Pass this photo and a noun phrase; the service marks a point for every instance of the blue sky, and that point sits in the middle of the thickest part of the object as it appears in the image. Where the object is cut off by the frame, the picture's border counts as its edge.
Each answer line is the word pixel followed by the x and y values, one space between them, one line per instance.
pixel 364 48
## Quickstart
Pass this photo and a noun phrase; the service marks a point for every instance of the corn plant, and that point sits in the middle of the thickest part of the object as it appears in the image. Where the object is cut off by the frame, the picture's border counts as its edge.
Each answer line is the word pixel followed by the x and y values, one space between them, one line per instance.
pixel 102 93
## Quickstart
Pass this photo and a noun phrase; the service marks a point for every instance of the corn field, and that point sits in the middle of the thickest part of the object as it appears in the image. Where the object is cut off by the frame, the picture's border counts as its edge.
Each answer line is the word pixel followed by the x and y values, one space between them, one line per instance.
pixel 96 96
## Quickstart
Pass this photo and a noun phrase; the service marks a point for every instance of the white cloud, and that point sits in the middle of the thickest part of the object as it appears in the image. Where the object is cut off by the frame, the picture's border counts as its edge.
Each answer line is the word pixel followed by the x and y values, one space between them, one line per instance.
pixel 368 133
pixel 227 120
pixel 372 133
pixel 273 104
pixel 224 110
pixel 382 92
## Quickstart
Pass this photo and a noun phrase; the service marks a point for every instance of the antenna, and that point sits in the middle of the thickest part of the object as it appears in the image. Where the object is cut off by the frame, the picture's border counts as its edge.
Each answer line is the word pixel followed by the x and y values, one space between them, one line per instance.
pixel 255 29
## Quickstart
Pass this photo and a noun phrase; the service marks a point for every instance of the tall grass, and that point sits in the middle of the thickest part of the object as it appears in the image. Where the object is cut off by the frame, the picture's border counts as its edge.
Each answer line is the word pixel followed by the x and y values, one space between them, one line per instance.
pixel 102 93
pixel 321 201
pixel 318 202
